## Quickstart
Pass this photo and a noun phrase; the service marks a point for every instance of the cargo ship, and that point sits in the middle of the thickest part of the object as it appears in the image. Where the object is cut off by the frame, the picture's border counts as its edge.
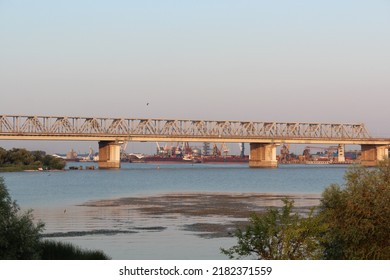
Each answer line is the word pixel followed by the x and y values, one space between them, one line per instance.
pixel 190 159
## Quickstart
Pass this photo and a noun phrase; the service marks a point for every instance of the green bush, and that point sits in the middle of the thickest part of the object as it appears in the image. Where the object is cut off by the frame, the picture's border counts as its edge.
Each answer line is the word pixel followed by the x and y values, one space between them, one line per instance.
pixel 51 162
pixel 279 234
pixel 358 215
pixel 19 236
pixel 351 223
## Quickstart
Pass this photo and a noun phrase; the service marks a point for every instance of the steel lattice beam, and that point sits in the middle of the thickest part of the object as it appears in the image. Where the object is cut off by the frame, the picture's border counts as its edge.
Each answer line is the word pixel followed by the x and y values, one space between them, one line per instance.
pixel 85 128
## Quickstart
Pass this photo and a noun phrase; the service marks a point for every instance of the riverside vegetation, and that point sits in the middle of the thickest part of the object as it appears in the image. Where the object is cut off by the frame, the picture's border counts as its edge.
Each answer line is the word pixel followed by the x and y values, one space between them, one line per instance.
pixel 22 159
pixel 351 223
pixel 20 237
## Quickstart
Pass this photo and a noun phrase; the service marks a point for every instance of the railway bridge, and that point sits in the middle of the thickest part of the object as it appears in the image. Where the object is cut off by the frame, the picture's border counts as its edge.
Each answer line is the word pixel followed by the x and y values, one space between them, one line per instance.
pixel 263 137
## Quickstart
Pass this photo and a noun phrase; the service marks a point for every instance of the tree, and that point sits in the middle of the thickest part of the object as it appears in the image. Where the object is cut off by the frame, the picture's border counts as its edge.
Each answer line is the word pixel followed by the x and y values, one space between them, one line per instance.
pixel 352 223
pixel 51 162
pixel 20 157
pixel 278 234
pixel 19 236
pixel 357 216
pixel 38 155
pixel 3 155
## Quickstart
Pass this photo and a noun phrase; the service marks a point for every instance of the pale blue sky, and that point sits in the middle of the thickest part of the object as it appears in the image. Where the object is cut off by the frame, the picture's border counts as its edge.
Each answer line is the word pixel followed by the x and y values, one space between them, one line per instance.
pixel 313 61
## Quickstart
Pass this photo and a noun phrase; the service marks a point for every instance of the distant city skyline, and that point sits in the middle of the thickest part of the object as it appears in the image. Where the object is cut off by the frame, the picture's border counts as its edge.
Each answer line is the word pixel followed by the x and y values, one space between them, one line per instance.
pixel 298 61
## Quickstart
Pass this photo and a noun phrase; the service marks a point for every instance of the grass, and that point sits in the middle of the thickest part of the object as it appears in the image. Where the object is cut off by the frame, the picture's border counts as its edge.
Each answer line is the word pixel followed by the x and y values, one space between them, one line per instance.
pixel 18 167
pixel 53 250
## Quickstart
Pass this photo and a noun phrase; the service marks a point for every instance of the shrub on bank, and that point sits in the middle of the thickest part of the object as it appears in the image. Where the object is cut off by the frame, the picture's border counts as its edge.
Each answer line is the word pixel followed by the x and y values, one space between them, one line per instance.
pixel 19 235
pixel 21 239
pixel 279 234
pixel 357 215
pixel 352 223
pixel 53 250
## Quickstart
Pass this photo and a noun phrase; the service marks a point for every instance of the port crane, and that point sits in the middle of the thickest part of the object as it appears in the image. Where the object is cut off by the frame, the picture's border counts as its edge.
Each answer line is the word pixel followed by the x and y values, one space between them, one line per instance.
pixel 179 150
pixel 242 149
pixel 225 149
pixel 326 150
pixel 123 154
pixel 162 151
pixel 285 153
pixel 218 151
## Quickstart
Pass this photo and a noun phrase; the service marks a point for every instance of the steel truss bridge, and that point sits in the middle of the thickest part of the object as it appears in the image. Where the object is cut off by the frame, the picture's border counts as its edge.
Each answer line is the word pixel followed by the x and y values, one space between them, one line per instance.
pixel 123 129
pixel 262 136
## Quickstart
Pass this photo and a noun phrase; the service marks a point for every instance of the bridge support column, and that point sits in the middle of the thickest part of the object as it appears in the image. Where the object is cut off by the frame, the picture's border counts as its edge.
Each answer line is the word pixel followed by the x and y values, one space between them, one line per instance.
pixel 109 155
pixel 262 155
pixel 372 154
pixel 341 153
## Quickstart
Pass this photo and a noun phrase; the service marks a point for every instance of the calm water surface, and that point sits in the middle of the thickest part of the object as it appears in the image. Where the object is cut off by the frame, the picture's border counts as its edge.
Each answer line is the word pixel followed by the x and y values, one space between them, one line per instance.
pixel 54 196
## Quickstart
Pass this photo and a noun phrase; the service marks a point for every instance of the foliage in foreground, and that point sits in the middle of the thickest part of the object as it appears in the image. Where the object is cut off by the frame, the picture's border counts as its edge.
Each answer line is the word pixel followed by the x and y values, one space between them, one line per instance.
pixel 279 234
pixel 358 216
pixel 52 250
pixel 20 238
pixel 352 222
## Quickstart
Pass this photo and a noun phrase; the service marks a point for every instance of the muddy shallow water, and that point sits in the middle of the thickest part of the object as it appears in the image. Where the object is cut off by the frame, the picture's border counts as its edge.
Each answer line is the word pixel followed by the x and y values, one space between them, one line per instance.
pixel 206 220
pixel 233 209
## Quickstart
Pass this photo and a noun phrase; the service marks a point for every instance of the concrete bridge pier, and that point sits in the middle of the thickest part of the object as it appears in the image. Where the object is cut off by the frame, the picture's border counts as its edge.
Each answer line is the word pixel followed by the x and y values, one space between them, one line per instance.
pixel 262 155
pixel 109 155
pixel 372 154
pixel 340 153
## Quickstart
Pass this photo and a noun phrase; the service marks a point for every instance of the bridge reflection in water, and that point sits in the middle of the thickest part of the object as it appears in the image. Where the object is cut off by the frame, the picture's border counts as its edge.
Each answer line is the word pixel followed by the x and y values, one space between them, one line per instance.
pixel 263 137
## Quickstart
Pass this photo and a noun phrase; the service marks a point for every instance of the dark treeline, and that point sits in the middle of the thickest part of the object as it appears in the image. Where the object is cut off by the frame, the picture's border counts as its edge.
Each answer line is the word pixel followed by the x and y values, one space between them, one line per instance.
pixel 21 159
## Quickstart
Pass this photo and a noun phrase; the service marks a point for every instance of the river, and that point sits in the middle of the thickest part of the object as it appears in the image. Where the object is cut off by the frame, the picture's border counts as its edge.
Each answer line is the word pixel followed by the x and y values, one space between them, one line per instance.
pixel 172 211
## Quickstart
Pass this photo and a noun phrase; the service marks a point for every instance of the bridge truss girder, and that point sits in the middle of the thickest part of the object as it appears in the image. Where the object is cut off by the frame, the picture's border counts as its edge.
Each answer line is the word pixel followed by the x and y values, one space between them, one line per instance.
pixel 167 128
